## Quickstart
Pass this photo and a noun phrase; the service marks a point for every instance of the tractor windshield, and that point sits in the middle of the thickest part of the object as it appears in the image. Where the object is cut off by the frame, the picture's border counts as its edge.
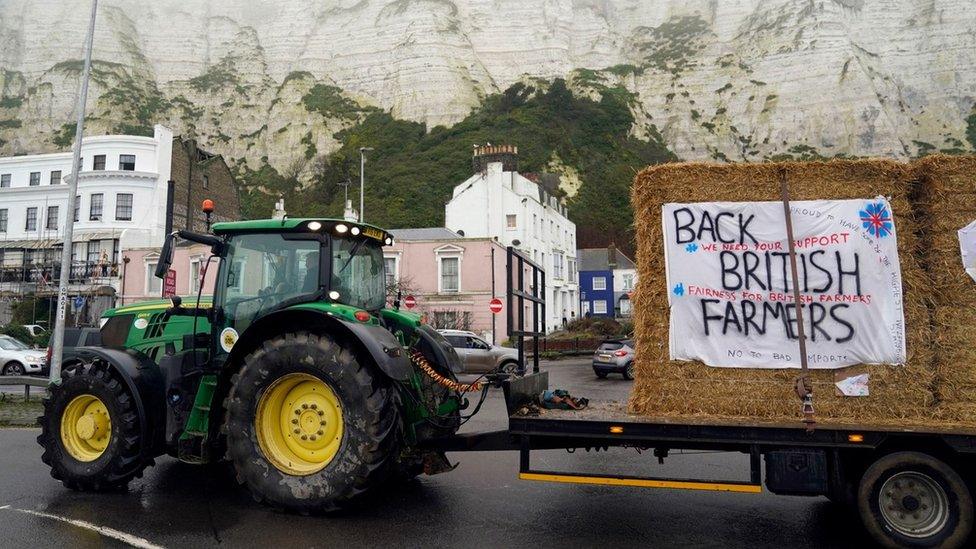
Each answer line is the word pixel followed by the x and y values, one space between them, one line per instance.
pixel 358 273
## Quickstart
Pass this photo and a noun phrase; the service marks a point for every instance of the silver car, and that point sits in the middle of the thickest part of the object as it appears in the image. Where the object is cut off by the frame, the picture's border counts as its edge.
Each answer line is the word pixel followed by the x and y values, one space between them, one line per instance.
pixel 17 358
pixel 478 356
pixel 614 356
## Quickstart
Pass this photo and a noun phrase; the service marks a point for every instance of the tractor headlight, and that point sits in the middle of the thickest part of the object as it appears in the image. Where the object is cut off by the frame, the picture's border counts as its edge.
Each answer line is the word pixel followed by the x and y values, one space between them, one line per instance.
pixel 355 231
pixel 334 295
pixel 389 241
pixel 314 226
pixel 341 229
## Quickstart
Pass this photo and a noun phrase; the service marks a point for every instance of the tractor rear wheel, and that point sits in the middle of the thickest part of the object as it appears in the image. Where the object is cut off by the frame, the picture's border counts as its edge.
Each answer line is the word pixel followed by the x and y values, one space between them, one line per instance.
pixel 309 425
pixel 90 430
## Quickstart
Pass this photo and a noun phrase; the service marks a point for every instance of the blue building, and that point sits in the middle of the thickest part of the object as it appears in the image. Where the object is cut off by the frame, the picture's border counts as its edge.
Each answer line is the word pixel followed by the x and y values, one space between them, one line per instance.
pixel 606 278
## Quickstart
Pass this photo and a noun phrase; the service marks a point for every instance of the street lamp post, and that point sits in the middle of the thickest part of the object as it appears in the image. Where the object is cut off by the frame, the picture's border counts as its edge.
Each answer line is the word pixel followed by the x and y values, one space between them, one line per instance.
pixel 57 338
pixel 362 181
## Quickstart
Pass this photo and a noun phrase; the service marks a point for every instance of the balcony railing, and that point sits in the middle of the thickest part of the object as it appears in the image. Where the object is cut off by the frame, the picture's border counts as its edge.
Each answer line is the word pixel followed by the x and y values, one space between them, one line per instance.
pixel 81 272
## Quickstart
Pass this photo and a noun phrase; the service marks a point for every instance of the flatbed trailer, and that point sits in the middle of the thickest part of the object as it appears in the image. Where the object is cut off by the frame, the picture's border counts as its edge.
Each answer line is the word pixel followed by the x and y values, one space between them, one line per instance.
pixel 911 485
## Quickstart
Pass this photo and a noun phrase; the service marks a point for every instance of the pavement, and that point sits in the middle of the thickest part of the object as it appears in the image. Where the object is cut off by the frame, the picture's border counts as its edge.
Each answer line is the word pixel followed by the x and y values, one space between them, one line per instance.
pixel 481 503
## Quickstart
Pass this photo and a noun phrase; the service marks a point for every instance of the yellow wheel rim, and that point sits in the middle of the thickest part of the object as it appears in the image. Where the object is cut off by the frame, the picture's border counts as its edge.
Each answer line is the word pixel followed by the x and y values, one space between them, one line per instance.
pixel 299 424
pixel 86 428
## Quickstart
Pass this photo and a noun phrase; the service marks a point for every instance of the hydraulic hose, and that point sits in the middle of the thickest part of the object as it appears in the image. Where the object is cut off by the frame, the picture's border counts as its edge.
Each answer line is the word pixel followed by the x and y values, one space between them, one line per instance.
pixel 421 361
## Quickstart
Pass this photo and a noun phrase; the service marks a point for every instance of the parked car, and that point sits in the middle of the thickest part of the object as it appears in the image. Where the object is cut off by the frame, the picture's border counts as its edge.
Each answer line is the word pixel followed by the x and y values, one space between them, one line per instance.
pixel 82 337
pixel 478 356
pixel 35 329
pixel 17 358
pixel 614 356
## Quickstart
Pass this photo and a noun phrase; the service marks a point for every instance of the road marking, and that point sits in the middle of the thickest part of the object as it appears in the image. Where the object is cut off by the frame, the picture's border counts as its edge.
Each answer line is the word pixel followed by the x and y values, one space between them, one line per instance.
pixel 129 539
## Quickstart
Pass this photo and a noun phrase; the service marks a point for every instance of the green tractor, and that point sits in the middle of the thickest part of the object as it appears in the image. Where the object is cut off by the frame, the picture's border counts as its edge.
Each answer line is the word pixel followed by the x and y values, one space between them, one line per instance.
pixel 296 371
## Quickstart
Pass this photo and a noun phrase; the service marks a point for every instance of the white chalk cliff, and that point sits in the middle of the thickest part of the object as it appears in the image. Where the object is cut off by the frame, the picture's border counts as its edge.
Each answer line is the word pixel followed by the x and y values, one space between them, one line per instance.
pixel 719 79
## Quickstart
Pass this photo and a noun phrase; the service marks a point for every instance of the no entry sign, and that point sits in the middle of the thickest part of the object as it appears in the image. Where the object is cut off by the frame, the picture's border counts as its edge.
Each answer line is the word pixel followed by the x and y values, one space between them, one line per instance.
pixel 410 302
pixel 495 305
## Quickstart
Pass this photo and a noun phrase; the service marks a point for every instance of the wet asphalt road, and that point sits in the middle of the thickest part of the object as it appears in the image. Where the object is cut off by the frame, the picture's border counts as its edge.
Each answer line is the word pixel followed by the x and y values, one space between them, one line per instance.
pixel 481 503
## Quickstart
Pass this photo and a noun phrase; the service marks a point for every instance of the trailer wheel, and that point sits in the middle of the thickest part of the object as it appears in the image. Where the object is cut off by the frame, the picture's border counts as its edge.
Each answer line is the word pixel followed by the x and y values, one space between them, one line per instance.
pixel 910 499
pixel 90 430
pixel 309 427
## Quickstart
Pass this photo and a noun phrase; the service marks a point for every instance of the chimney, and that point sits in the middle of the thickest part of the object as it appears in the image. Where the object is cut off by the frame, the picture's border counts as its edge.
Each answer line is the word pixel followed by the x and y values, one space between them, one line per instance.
pixel 612 256
pixel 349 214
pixel 279 210
pixel 486 154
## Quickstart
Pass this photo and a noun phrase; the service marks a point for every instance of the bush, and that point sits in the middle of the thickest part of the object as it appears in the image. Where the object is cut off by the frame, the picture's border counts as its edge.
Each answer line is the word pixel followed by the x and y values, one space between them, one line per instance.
pixel 597 327
pixel 18 332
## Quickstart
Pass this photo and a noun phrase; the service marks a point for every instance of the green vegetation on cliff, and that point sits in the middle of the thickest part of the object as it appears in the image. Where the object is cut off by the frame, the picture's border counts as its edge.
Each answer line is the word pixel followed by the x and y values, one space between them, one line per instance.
pixel 411 173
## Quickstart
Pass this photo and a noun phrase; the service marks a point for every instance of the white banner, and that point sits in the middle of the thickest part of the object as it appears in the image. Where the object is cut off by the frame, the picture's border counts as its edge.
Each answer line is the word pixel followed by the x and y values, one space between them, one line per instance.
pixel 731 295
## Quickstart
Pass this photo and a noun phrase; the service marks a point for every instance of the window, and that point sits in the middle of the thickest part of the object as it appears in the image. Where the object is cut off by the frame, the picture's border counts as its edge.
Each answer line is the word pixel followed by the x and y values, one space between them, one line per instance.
pixel 3 220
pixel 206 181
pixel 52 218
pixel 95 208
pixel 600 283
pixel 77 206
pixel 628 282
pixel 625 309
pixel 195 276
pixel 390 266
pixel 115 252
pixel 599 307
pixel 557 265
pixel 30 257
pixel 292 269
pixel 450 277
pixel 98 162
pixel 31 224
pixel 510 221
pixel 123 207
pixel 94 247
pixel 35 179
pixel 5 180
pixel 56 177
pixel 571 268
pixel 75 251
pixel 535 224
pixel 154 286
pixel 127 162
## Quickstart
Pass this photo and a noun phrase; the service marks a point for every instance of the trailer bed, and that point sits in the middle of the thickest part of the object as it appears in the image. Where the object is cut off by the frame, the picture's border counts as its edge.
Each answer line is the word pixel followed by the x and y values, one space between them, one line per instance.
pixel 609 421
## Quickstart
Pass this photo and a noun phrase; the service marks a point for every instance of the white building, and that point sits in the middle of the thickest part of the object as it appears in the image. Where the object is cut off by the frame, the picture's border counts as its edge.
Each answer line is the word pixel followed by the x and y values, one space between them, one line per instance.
pixel 121 204
pixel 498 202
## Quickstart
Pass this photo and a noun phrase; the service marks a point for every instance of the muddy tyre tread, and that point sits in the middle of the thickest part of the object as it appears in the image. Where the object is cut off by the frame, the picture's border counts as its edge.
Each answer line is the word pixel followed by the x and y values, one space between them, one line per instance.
pixel 374 403
pixel 122 460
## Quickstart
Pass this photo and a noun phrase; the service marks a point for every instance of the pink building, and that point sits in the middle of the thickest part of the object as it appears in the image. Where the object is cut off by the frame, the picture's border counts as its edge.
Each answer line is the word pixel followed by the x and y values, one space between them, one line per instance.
pixel 450 277
pixel 139 282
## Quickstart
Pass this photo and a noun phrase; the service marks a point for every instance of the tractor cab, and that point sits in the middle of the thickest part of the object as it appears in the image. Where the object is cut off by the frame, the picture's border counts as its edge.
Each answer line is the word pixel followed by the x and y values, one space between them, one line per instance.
pixel 267 265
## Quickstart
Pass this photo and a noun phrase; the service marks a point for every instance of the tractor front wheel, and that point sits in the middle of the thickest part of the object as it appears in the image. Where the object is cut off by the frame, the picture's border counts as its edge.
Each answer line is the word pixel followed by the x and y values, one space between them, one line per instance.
pixel 309 427
pixel 90 430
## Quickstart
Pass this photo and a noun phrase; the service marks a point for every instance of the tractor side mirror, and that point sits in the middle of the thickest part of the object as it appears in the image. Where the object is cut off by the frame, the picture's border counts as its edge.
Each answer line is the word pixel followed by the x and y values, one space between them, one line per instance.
pixel 165 256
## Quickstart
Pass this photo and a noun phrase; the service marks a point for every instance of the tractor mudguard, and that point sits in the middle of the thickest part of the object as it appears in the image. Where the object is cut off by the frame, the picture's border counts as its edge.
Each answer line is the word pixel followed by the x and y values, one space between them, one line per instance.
pixel 145 384
pixel 384 348
pixel 381 345
pixel 440 347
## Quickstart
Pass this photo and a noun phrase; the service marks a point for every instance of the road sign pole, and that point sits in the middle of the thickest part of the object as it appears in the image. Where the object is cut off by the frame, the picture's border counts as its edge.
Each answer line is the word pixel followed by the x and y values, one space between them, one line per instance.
pixel 57 338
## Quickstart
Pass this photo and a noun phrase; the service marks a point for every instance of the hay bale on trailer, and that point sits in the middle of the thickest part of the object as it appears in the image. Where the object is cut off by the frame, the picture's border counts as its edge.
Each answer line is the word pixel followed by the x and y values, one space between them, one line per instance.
pixel 898 394
pixel 947 203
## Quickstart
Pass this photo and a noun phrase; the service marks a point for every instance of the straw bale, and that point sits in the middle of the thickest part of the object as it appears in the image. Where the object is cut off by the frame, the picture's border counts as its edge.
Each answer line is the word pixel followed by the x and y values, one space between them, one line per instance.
pixel 946 203
pixel 898 394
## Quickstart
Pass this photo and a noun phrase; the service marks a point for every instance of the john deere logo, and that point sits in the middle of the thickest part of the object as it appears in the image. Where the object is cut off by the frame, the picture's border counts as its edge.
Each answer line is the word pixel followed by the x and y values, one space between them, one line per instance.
pixel 228 337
